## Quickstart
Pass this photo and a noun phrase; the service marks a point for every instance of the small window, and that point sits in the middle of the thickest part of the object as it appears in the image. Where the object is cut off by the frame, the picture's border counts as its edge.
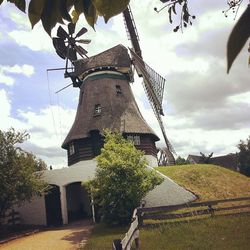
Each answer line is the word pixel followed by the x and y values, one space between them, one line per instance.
pixel 98 109
pixel 71 148
pixel 135 139
pixel 118 89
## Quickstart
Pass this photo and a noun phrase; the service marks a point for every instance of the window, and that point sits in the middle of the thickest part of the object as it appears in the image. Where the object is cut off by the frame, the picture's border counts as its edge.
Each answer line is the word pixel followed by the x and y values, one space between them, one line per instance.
pixel 118 89
pixel 71 148
pixel 135 138
pixel 98 109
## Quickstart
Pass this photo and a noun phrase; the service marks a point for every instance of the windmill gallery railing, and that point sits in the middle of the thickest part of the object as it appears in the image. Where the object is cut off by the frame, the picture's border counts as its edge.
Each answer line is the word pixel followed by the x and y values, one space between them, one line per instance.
pixel 214 207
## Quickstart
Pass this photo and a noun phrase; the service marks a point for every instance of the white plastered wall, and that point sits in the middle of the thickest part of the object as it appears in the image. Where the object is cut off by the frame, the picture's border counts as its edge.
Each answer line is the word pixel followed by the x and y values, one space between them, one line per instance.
pixel 152 160
pixel 35 211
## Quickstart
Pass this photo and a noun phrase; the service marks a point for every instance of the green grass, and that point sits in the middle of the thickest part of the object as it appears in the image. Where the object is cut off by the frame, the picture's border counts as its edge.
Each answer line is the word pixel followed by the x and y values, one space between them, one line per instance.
pixel 103 236
pixel 227 232
pixel 231 233
pixel 208 182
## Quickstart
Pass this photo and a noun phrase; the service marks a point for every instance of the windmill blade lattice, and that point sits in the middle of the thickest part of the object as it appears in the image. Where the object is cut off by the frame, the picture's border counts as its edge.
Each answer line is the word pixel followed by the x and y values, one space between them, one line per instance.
pixel 154 87
pixel 154 83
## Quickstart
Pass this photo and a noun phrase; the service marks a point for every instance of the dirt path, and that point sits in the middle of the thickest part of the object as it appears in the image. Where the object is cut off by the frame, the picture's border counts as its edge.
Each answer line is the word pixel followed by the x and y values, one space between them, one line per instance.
pixel 64 238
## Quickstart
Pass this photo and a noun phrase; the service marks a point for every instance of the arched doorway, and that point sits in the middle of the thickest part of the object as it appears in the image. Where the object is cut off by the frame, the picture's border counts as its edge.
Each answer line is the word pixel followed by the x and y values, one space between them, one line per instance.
pixel 53 206
pixel 78 202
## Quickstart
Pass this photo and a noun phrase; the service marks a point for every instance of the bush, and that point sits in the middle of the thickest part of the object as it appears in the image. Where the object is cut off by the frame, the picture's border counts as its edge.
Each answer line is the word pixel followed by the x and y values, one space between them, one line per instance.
pixel 244 157
pixel 181 161
pixel 122 179
pixel 18 182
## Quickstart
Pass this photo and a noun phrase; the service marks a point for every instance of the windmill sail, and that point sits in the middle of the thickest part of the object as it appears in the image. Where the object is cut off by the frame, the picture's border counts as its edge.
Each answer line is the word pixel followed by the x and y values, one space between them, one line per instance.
pixel 131 30
pixel 154 87
pixel 152 81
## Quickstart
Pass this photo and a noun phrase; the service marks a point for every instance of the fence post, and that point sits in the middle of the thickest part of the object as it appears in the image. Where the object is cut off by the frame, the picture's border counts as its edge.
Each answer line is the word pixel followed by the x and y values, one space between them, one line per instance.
pixel 117 245
pixel 140 218
pixel 211 210
pixel 137 240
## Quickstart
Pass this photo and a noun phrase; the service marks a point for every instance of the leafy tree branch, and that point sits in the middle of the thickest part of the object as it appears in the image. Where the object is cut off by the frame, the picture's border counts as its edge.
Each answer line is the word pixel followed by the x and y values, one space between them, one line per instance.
pixel 19 179
pixel 58 11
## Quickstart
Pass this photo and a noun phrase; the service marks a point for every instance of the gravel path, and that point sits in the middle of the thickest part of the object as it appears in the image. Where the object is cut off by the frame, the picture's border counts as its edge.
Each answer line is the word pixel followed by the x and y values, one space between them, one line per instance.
pixel 64 238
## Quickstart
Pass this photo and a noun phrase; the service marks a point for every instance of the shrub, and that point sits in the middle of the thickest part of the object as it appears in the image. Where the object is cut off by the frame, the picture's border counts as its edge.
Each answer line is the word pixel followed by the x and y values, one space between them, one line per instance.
pixel 122 179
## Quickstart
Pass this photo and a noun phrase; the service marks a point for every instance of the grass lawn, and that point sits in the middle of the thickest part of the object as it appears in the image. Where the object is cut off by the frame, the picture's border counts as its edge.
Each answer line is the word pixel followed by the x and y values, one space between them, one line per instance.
pixel 208 182
pixel 103 236
pixel 231 233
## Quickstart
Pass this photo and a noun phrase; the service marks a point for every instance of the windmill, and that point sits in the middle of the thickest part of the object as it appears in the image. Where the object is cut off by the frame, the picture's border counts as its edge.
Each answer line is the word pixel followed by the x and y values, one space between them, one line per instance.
pixel 106 99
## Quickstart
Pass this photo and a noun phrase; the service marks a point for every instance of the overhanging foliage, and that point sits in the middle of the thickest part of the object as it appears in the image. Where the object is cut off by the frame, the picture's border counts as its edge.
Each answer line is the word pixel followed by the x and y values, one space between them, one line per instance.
pixel 57 11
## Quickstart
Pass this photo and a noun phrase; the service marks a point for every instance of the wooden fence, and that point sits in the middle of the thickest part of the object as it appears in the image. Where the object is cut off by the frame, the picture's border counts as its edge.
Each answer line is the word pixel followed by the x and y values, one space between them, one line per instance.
pixel 131 236
pixel 197 209
pixel 166 212
pixel 11 218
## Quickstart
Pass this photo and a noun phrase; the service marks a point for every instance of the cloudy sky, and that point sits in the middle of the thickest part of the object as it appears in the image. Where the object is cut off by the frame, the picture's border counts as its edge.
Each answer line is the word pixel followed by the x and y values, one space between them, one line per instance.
pixel 206 110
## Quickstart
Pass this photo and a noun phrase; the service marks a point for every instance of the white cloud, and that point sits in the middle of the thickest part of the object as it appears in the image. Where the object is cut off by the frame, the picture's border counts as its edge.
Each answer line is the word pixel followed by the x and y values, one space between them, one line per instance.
pixel 50 124
pixel 9 81
pixel 36 39
pixel 5 104
pixel 25 69
pixel 20 18
pixel 47 128
pixel 5 110
pixel 240 98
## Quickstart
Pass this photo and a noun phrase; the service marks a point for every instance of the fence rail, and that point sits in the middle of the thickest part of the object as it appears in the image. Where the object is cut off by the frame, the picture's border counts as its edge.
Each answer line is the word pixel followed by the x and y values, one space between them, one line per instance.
pixel 10 218
pixel 163 212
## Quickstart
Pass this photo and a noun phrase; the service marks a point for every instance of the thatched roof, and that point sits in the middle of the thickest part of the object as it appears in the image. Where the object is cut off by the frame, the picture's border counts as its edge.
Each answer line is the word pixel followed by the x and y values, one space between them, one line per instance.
pixel 119 112
pixel 116 57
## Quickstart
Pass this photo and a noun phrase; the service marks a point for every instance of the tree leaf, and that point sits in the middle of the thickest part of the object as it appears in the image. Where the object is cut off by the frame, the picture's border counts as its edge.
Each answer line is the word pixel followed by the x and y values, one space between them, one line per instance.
pixel 70 4
pixel 35 11
pixel 110 8
pixel 87 7
pixel 238 37
pixel 91 15
pixel 49 15
pixel 75 16
pixel 20 4
pixel 79 6
pixel 64 11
